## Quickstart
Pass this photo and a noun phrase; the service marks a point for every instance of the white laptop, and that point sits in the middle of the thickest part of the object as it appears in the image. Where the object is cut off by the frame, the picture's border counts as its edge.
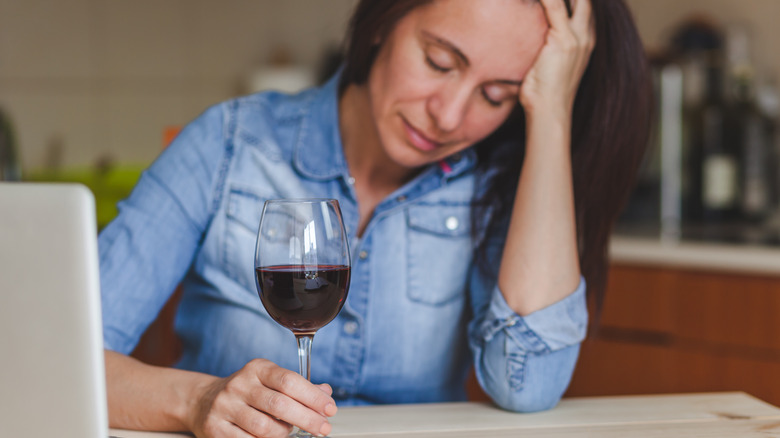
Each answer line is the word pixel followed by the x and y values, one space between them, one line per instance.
pixel 52 379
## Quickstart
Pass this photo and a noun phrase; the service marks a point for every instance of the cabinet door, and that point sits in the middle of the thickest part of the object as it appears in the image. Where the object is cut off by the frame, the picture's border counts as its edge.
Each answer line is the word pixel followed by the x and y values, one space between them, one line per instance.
pixel 671 330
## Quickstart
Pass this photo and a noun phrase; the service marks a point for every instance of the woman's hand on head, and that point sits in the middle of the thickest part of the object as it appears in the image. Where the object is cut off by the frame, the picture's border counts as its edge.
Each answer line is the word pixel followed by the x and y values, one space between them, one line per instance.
pixel 552 82
pixel 262 400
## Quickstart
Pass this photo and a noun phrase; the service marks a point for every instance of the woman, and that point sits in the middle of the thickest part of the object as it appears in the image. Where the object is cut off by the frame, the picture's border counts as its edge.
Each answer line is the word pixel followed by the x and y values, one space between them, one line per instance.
pixel 480 152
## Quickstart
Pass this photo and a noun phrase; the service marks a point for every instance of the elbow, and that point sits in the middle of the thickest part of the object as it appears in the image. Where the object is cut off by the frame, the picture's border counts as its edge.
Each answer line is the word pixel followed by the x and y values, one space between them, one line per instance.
pixel 530 397
pixel 527 404
pixel 537 385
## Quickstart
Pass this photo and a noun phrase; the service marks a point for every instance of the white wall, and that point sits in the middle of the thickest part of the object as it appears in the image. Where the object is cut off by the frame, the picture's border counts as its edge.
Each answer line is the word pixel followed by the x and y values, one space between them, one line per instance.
pixel 656 19
pixel 106 76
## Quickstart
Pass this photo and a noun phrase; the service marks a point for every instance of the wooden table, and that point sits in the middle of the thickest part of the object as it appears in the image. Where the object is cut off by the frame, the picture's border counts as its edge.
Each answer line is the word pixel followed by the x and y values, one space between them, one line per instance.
pixel 732 414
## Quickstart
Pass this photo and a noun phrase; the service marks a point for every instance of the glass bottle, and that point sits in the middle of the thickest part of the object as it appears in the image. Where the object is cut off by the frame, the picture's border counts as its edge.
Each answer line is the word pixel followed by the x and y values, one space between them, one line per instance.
pixel 9 160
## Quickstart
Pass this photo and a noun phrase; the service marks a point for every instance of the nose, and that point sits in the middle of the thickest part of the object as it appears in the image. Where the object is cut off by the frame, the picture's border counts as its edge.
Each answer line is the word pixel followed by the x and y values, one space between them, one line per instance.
pixel 448 105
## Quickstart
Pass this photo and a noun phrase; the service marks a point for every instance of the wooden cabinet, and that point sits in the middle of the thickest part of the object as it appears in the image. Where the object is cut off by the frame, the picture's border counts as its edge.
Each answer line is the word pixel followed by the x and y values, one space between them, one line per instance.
pixel 668 330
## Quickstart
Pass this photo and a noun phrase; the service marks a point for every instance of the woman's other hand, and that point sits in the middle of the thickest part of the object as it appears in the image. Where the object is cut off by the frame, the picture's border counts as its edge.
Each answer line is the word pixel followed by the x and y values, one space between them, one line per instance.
pixel 262 400
pixel 552 82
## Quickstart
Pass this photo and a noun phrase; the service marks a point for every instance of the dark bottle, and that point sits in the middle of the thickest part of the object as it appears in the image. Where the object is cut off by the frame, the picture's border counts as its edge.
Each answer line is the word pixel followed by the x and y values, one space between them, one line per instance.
pixel 715 157
pixel 751 130
pixel 698 46
pixel 9 161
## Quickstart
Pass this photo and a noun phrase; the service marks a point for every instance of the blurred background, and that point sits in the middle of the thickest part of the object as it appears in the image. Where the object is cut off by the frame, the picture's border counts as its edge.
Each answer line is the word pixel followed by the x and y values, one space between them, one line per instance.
pixel 93 90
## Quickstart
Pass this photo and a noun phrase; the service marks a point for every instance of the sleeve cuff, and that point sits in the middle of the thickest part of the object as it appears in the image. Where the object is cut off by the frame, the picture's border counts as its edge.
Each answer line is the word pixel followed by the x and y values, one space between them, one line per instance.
pixel 555 327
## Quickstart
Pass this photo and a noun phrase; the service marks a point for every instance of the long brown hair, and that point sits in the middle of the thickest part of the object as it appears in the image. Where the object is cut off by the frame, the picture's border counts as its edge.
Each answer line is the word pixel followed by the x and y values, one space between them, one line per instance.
pixel 611 124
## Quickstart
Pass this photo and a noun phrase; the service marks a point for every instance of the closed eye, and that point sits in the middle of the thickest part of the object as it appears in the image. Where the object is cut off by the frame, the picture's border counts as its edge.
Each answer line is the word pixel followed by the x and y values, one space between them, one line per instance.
pixel 490 100
pixel 497 95
pixel 435 66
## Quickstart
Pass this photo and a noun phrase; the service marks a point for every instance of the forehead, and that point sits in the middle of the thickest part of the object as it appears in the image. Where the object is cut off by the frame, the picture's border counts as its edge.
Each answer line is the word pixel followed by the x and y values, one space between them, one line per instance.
pixel 499 35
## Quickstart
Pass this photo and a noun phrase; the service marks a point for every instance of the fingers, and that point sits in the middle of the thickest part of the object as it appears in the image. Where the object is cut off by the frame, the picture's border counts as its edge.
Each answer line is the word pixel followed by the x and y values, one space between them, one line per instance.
pixel 556 12
pixel 580 24
pixel 257 424
pixel 582 20
pixel 326 389
pixel 287 409
pixel 263 400
pixel 286 398
pixel 295 386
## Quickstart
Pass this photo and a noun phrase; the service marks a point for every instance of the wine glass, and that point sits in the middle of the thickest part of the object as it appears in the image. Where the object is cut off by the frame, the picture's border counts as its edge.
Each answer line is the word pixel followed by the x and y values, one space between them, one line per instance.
pixel 302 268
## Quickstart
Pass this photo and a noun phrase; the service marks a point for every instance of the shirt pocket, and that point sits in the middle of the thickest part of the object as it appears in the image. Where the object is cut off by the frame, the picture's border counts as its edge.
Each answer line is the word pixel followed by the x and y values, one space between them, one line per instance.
pixel 439 253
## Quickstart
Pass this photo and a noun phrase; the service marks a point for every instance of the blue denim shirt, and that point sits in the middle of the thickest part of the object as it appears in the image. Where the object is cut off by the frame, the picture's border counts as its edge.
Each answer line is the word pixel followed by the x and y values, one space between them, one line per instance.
pixel 418 313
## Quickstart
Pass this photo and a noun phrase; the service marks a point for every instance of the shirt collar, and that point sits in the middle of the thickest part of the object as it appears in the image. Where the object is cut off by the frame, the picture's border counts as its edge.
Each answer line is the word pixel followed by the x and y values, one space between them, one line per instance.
pixel 319 153
pixel 457 164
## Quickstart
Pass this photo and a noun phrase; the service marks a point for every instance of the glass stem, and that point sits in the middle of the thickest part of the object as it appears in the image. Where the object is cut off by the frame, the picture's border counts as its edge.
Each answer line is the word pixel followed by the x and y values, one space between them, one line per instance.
pixel 304 353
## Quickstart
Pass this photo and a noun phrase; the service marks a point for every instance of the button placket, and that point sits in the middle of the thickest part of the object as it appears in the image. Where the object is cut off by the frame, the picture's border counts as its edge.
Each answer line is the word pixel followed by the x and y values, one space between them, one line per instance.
pixel 350 347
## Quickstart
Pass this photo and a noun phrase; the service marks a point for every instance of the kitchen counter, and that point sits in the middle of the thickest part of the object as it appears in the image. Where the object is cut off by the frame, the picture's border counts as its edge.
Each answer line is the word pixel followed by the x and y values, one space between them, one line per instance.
pixel 676 415
pixel 720 257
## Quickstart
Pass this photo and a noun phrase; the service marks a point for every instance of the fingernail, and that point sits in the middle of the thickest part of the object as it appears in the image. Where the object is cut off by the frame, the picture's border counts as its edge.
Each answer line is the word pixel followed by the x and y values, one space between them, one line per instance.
pixel 325 429
pixel 331 409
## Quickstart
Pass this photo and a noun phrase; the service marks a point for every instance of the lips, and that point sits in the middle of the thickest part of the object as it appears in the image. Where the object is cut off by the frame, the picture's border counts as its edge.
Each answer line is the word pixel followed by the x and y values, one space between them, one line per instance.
pixel 418 139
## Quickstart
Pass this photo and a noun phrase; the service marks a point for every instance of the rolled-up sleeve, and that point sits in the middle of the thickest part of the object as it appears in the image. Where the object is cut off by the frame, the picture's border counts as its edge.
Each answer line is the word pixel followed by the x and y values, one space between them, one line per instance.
pixel 525 363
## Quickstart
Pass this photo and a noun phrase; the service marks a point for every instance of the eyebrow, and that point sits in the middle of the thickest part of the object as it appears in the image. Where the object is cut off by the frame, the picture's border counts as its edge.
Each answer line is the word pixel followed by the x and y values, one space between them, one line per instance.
pixel 449 45
pixel 463 57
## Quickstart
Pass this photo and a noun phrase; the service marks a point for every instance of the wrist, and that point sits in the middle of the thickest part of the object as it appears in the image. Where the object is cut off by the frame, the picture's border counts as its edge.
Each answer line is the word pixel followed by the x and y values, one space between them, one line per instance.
pixel 552 115
pixel 548 138
pixel 548 129
pixel 191 392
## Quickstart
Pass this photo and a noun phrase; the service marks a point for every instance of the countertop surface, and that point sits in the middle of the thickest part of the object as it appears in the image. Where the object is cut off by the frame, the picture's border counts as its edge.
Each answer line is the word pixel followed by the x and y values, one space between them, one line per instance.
pixel 682 415
pixel 722 257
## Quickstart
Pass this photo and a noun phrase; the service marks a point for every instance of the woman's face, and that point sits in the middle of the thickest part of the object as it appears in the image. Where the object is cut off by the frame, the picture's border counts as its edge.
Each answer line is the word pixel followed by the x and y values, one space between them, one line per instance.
pixel 449 74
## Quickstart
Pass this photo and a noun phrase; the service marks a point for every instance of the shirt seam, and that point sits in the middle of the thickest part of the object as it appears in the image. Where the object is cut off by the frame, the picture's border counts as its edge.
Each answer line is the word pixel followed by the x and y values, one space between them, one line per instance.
pixel 229 146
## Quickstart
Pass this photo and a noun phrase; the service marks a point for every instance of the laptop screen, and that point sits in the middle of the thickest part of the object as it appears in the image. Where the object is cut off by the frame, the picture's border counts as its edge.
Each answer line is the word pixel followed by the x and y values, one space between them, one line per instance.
pixel 52 381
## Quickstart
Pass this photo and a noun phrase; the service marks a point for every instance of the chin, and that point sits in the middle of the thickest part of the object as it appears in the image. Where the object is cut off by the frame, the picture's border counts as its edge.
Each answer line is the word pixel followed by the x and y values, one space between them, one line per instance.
pixel 409 157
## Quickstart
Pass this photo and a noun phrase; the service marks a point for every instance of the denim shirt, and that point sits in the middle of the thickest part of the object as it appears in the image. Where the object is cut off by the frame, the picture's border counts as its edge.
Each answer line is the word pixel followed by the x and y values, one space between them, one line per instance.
pixel 419 313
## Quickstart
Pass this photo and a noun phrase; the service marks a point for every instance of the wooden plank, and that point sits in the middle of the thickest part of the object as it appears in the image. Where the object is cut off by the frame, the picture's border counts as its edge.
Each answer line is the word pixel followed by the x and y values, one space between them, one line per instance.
pixel 735 428
pixel 617 368
pixel 594 416
pixel 574 412
pixel 121 433
pixel 720 309
pixel 672 330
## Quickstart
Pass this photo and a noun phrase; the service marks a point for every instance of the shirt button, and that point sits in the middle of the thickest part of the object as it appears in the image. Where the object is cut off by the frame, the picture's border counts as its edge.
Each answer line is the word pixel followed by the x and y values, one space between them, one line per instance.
pixel 363 255
pixel 350 327
pixel 351 180
pixel 401 198
pixel 511 321
pixel 452 223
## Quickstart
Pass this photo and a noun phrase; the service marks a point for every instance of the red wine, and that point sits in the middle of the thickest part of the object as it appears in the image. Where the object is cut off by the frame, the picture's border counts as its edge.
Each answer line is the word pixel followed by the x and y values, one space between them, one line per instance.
pixel 303 300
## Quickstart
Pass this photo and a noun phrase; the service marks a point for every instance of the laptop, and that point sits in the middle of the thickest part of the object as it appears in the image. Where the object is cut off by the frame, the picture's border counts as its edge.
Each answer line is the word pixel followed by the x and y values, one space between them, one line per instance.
pixel 52 379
